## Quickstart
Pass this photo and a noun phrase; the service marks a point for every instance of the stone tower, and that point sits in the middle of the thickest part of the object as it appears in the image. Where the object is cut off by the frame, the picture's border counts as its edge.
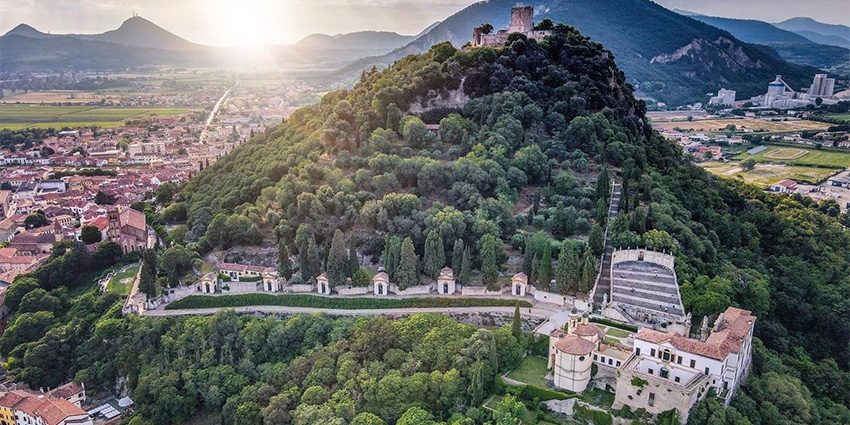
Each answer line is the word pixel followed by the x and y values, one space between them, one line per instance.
pixel 522 19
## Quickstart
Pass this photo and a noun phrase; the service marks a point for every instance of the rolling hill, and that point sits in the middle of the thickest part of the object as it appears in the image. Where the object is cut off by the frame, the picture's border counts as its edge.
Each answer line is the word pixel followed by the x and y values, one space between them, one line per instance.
pixel 669 57
pixel 791 46
pixel 362 40
pixel 838 35
pixel 140 32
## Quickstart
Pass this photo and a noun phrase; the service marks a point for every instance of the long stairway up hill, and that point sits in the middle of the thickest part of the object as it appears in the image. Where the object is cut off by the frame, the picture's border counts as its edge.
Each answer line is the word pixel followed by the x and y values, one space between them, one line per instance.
pixel 603 283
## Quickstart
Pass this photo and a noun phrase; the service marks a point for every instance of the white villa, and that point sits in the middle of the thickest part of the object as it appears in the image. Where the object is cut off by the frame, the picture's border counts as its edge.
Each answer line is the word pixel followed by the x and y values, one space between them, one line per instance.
pixel 664 370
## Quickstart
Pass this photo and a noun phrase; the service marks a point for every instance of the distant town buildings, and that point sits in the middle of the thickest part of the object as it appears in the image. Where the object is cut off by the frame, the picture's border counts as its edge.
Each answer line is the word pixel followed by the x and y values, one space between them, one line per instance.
pixel 724 98
pixel 27 408
pixel 822 86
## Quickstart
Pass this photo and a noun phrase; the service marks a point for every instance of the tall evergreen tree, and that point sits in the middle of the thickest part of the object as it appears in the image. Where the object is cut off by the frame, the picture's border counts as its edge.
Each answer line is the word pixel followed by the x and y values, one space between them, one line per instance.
pixel 406 274
pixel 567 269
pixel 311 262
pixel 489 261
pixel 596 240
pixel 465 268
pixel 544 272
pixel 284 263
pixel 603 185
pixel 148 274
pixel 535 268
pixel 516 327
pixel 457 255
pixel 338 263
pixel 353 260
pixel 435 256
pixel 588 272
pixel 527 257
pixel 392 252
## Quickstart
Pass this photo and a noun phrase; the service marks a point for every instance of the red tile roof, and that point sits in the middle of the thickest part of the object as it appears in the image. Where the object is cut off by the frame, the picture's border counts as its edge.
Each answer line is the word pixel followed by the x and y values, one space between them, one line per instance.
pixel 575 345
pixel 731 329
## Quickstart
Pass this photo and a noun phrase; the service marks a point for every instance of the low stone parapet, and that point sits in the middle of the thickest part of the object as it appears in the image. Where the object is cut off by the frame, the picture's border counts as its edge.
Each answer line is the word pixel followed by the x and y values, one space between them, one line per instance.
pixel 353 290
pixel 299 288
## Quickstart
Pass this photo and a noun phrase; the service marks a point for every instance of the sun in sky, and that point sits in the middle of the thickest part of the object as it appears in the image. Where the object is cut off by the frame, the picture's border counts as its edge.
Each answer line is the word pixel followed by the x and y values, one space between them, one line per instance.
pixel 249 22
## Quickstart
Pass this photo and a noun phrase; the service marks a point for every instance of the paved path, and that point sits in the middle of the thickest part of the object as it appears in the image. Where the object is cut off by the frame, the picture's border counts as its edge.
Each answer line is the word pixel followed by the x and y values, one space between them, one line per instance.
pixel 537 311
pixel 603 284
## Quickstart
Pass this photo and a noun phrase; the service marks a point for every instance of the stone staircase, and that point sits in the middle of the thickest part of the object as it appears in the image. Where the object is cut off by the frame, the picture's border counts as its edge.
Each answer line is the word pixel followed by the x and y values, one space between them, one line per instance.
pixel 603 283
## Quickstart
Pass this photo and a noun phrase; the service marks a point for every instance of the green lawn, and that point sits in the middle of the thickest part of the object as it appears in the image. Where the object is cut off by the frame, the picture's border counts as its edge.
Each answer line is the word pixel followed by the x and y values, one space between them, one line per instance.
pixel 616 333
pixel 842 117
pixel 765 174
pixel 18 116
pixel 531 371
pixel 817 157
pixel 122 282
pixel 598 397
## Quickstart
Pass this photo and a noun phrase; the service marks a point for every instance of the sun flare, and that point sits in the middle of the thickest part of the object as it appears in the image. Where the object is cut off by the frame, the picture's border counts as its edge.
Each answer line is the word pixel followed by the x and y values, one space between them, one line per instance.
pixel 249 23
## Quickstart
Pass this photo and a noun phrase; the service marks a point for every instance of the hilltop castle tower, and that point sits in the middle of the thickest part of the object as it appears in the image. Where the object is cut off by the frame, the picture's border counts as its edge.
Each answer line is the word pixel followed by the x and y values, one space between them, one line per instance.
pixel 522 21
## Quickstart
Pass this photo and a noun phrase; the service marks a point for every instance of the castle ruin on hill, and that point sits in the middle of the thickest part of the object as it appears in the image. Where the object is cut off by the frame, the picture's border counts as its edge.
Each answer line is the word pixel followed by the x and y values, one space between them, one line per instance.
pixel 522 22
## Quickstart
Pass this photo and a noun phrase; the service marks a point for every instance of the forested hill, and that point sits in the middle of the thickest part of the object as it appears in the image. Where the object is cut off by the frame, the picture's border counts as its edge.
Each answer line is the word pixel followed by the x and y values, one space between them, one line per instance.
pixel 529 135
pixel 668 56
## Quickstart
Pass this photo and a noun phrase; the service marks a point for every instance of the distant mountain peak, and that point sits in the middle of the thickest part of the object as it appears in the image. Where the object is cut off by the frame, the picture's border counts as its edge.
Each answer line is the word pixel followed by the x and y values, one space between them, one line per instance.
pixel 25 30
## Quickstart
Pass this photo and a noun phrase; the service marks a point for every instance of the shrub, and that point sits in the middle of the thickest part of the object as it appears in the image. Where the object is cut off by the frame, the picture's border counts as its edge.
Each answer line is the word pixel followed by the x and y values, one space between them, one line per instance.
pixel 250 278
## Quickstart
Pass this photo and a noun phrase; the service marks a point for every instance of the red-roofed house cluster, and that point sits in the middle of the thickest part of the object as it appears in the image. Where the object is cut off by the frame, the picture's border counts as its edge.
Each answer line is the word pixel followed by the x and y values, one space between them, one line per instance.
pixel 28 408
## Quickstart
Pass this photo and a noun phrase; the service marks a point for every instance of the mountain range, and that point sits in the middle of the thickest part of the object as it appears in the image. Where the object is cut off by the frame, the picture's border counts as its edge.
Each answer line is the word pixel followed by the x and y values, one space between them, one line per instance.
pixel 669 57
pixel 28 49
pixel 797 46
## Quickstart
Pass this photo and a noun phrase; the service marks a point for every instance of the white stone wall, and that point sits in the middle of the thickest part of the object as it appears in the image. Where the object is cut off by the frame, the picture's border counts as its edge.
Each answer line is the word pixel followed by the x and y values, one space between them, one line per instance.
pixel 299 288
pixel 660 258
pixel 481 291
pixel 353 290
pixel 413 290
pixel 549 297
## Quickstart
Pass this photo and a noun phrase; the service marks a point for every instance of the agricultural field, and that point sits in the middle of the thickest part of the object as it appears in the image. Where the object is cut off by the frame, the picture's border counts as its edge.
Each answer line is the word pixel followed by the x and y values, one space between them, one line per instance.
pixel 800 156
pixel 840 117
pixel 754 124
pixel 764 174
pixel 18 116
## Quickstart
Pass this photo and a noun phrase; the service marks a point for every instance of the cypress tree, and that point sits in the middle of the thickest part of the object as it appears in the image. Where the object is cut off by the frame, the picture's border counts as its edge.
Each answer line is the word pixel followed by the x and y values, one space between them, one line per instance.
pixel 596 240
pixel 435 257
pixel 392 251
pixel 406 274
pixel 527 257
pixel 544 273
pixel 147 276
pixel 516 327
pixel 465 265
pixel 353 261
pixel 284 263
pixel 567 269
pixel 603 185
pixel 457 256
pixel 588 272
pixel 338 263
pixel 311 264
pixel 535 268
pixel 489 262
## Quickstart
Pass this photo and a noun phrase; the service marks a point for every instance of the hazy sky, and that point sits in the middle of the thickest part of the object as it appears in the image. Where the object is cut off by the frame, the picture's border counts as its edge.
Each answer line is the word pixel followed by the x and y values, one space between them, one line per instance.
pixel 223 22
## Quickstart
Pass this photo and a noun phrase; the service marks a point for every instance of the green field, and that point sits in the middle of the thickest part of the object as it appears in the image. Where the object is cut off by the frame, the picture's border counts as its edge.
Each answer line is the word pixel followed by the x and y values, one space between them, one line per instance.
pixel 314 301
pixel 763 174
pixel 841 117
pixel 809 156
pixel 531 371
pixel 121 282
pixel 18 116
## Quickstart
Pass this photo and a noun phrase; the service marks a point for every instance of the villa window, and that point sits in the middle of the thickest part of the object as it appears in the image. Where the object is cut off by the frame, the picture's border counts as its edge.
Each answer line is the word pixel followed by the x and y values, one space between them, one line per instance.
pixel 677 379
pixel 651 399
pixel 595 357
pixel 581 359
pixel 637 351
pixel 666 355
pixel 665 373
pixel 651 372
pixel 707 371
pixel 679 359
pixel 610 361
pixel 693 363
pixel 652 352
